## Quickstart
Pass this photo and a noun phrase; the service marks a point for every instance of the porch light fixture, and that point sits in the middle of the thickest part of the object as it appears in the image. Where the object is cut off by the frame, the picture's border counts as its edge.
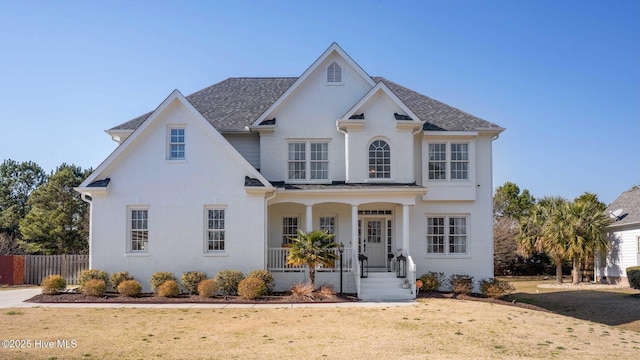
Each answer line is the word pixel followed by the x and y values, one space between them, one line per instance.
pixel 364 266
pixel 341 250
pixel 401 271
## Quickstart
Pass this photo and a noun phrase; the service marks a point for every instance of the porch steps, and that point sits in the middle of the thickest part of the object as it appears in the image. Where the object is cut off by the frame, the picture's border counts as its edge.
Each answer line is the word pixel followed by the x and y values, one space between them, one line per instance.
pixel 384 286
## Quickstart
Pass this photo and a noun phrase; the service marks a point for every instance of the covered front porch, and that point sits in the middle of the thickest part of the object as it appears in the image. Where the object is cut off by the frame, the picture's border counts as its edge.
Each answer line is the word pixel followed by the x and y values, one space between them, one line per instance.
pixel 371 222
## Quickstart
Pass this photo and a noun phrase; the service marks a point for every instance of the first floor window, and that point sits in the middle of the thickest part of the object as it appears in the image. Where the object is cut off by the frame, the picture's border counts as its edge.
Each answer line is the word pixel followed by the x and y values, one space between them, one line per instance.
pixel 139 230
pixel 447 235
pixel 215 230
pixel 328 224
pixel 289 229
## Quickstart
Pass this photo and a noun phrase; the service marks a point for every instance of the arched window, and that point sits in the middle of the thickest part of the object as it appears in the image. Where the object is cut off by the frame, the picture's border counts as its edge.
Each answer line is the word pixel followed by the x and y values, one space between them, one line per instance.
pixel 334 73
pixel 379 160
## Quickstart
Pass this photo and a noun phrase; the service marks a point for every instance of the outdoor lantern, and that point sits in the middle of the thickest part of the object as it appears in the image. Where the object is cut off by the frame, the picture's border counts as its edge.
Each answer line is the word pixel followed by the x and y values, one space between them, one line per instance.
pixel 401 270
pixel 364 266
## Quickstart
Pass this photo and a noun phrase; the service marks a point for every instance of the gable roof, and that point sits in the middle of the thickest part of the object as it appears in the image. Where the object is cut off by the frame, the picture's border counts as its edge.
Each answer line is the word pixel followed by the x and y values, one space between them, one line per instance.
pixel 145 124
pixel 381 86
pixel 629 202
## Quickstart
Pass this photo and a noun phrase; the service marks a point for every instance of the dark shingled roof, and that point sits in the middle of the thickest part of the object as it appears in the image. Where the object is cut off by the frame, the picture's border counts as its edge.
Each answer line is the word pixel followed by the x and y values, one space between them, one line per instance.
pixel 629 202
pixel 235 103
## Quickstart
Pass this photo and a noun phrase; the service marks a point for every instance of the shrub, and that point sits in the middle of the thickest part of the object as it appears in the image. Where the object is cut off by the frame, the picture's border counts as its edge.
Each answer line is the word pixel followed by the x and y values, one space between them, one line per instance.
pixel 208 288
pixel 129 288
pixel 266 277
pixel 327 292
pixel 461 284
pixel 302 291
pixel 158 278
pixel 633 275
pixel 191 279
pixel 251 288
pixel 95 288
pixel 118 277
pixel 228 281
pixel 495 288
pixel 53 284
pixel 92 274
pixel 432 281
pixel 169 288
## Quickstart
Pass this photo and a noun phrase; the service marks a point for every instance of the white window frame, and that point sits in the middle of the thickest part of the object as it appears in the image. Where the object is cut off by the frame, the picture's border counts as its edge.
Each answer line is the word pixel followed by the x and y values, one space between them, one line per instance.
pixel 141 226
pixel 307 162
pixel 331 74
pixel 332 228
pixel 215 226
pixel 171 142
pixel 449 161
pixel 638 243
pixel 373 171
pixel 448 235
pixel 286 235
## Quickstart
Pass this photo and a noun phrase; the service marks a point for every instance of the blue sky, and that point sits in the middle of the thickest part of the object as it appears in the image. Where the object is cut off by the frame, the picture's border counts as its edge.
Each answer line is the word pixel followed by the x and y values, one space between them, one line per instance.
pixel 563 77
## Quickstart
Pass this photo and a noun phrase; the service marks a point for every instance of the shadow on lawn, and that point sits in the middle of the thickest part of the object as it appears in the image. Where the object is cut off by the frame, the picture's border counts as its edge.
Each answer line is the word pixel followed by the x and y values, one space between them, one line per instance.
pixel 610 308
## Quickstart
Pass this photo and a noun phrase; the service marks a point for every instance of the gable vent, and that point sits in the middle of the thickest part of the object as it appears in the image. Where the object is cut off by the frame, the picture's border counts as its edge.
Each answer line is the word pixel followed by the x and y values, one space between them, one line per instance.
pixel 334 73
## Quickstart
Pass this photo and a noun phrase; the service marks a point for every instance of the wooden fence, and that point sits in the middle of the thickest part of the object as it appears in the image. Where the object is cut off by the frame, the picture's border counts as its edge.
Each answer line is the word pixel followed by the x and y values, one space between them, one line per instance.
pixel 37 267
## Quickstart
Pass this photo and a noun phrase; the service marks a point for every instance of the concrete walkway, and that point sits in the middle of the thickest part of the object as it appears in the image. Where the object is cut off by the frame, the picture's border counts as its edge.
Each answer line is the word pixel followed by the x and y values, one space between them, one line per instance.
pixel 15 299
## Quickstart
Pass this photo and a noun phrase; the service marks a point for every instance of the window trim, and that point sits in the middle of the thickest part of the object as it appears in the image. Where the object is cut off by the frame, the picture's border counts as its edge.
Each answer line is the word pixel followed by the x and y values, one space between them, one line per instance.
pixel 285 240
pixel 170 143
pixel 326 73
pixel 308 161
pixel 206 229
pixel 130 229
pixel 448 162
pixel 372 171
pixel 447 236
pixel 335 224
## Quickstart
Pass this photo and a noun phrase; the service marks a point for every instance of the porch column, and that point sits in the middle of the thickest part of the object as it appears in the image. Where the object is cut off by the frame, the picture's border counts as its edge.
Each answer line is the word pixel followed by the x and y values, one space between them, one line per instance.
pixel 405 229
pixel 354 227
pixel 309 219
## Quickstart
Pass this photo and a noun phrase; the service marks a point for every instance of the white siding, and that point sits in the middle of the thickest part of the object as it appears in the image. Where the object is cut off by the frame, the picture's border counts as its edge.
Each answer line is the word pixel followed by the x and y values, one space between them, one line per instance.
pixel 248 145
pixel 623 252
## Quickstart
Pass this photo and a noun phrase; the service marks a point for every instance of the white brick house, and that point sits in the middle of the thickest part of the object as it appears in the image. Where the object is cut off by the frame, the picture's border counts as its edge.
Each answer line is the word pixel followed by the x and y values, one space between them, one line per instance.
pixel 219 179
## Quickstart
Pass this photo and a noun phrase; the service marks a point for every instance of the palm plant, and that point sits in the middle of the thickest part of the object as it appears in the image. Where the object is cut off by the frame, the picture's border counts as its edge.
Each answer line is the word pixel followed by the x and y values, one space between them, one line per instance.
pixel 313 250
pixel 542 231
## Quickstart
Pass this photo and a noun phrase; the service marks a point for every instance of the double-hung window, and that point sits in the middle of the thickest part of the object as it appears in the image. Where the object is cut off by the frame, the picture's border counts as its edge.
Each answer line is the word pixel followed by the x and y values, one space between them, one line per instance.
pixel 447 235
pixel 328 224
pixel 289 228
pixel 176 144
pixel 308 161
pixel 215 232
pixel 138 230
pixel 449 161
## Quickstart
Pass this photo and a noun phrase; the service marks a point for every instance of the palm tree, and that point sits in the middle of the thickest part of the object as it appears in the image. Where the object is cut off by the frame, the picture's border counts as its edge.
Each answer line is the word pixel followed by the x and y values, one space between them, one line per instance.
pixel 542 231
pixel 313 249
pixel 586 222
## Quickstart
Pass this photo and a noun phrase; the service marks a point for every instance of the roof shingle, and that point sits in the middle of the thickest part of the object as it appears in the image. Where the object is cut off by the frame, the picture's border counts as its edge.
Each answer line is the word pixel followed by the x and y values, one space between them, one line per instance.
pixel 629 203
pixel 235 103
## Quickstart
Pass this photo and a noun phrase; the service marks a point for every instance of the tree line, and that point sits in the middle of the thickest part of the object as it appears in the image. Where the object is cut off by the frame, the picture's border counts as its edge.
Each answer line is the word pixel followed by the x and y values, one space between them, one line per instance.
pixel 40 213
pixel 530 233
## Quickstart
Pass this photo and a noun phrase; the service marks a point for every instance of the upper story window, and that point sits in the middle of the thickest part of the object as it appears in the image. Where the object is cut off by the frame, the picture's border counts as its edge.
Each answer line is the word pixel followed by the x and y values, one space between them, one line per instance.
pixel 454 157
pixel 447 235
pixel 176 144
pixel 334 73
pixel 379 160
pixel 138 230
pixel 308 161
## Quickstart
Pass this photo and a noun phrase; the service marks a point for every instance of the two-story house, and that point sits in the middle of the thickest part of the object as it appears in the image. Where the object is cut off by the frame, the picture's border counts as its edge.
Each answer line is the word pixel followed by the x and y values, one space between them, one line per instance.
pixel 222 178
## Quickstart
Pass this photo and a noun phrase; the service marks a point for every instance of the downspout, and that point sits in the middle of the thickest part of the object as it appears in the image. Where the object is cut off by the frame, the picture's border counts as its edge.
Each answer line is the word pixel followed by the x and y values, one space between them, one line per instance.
pixel 266 236
pixel 346 152
pixel 86 198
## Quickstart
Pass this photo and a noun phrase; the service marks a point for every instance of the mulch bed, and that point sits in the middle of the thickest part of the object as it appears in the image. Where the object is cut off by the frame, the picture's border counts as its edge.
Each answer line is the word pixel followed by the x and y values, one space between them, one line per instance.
pixel 279 298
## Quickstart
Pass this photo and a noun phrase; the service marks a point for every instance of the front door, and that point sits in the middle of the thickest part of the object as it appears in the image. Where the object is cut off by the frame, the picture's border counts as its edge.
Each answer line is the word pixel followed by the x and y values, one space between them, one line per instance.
pixel 374 244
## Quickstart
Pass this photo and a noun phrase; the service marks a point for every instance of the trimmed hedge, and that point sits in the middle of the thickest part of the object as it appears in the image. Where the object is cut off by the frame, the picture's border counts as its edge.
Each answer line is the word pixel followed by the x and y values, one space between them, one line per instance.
pixel 92 274
pixel 130 288
pixel 191 279
pixel 118 277
pixel 158 278
pixel 432 281
pixel 95 288
pixel 633 274
pixel 53 284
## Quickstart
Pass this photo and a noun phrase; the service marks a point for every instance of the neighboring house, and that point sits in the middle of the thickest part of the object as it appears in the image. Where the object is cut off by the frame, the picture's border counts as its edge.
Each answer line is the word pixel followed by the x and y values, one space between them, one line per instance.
pixel 624 239
pixel 222 178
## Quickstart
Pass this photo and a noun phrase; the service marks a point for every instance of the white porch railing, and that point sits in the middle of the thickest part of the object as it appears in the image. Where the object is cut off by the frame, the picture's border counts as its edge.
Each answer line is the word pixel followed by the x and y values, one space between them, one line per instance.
pixel 411 274
pixel 277 261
